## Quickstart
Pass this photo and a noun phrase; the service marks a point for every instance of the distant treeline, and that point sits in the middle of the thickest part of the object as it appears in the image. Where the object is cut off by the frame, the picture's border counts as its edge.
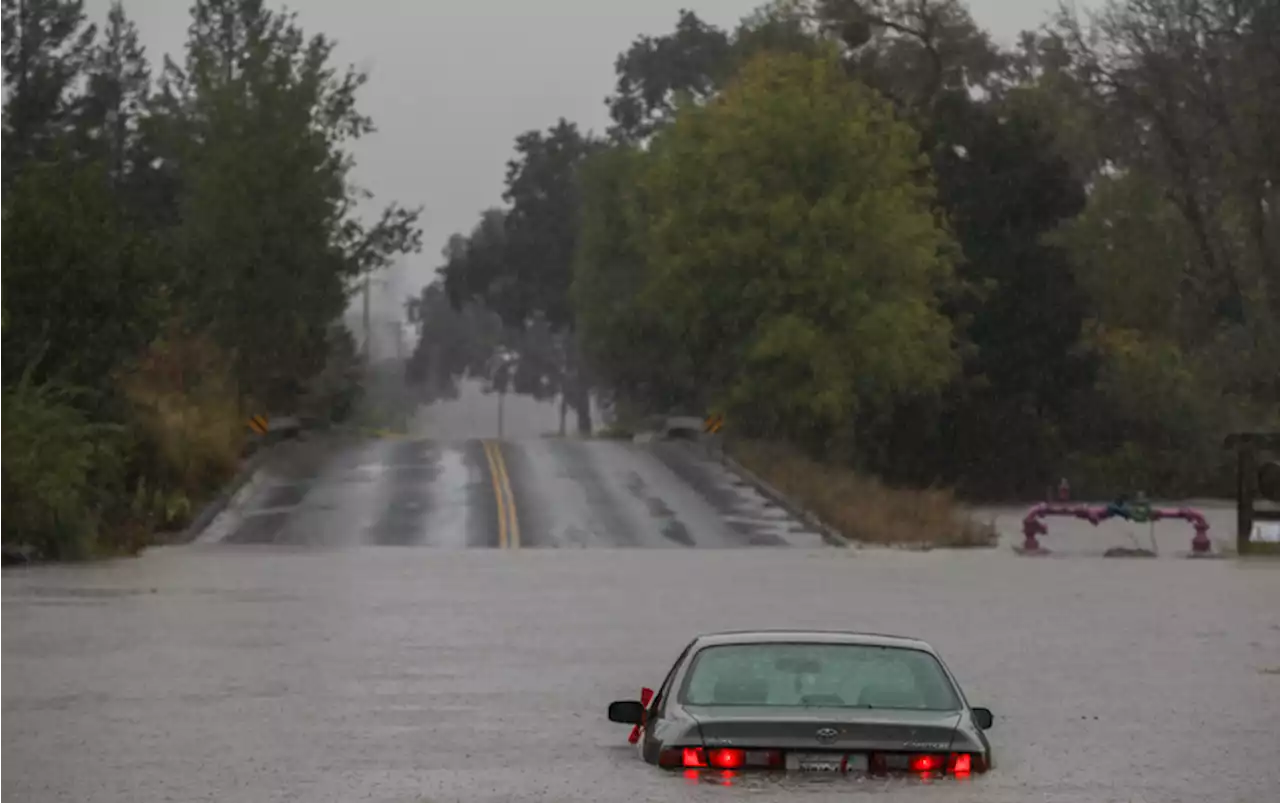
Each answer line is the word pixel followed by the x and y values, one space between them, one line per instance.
pixel 865 229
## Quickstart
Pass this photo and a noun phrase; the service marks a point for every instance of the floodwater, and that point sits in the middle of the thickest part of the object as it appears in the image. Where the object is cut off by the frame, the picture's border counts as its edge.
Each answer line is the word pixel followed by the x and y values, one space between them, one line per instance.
pixel 350 630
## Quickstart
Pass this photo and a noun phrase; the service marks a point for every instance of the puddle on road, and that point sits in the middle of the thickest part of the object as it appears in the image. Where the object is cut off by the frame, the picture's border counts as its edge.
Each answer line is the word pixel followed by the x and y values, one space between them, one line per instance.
pixel 757 519
pixel 671 527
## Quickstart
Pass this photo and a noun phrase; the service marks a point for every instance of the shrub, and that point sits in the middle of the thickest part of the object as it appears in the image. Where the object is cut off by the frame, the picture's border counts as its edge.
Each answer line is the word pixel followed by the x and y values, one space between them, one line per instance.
pixel 58 469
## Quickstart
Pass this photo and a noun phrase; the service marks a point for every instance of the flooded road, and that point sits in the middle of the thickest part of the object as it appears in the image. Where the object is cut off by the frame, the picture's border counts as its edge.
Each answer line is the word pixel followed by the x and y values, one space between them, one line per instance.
pixel 539 492
pixel 329 654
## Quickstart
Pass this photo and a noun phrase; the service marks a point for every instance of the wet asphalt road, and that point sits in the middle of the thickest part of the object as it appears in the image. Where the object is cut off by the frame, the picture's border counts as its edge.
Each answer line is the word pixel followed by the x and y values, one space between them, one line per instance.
pixel 538 492
pixel 311 647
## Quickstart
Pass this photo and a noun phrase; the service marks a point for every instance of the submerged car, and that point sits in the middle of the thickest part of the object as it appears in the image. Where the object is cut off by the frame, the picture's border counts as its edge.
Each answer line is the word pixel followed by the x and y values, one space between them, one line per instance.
pixel 813 702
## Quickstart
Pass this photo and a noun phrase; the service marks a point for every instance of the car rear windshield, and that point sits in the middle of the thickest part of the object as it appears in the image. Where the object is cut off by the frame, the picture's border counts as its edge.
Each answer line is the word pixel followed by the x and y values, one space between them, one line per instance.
pixel 833 675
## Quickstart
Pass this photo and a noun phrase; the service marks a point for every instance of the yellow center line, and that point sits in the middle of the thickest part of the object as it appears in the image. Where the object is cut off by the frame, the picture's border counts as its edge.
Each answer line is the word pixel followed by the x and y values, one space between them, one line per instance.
pixel 513 526
pixel 491 453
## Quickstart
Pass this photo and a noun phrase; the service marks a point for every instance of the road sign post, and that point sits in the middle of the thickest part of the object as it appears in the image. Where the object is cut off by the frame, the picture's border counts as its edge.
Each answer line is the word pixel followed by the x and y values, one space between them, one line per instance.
pixel 712 425
pixel 1254 478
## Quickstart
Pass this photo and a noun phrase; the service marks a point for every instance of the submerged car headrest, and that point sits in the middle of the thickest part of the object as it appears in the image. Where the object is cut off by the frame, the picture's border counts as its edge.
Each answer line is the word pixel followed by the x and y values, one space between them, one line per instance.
pixel 798 666
pixel 741 692
pixel 882 696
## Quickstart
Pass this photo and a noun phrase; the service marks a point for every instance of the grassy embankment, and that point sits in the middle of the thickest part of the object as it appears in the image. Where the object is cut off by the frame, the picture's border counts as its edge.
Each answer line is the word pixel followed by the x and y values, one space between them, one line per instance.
pixel 861 508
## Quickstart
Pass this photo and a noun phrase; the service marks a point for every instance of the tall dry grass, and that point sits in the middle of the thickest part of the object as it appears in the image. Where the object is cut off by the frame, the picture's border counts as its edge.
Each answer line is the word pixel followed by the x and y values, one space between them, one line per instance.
pixel 187 425
pixel 862 508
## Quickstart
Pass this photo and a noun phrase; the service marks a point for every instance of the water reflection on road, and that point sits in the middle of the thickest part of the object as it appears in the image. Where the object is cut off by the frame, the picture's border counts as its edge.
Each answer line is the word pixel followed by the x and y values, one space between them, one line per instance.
pixel 260 672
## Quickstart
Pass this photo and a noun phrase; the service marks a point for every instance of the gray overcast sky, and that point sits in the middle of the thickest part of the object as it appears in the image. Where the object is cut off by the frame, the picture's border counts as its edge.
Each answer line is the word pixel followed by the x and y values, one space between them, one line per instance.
pixel 454 81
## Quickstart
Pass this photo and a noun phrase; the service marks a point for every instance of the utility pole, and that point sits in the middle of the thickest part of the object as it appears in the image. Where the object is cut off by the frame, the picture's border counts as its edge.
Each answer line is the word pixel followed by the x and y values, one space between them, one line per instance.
pixel 365 348
pixel 502 396
pixel 503 362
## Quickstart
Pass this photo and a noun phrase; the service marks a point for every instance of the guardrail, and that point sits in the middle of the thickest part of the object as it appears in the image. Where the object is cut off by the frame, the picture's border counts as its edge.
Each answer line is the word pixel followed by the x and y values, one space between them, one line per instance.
pixel 1033 524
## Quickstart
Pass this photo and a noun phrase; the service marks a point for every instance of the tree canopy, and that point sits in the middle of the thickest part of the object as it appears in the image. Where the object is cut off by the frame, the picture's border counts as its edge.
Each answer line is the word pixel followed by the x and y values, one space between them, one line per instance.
pixel 947 260
pixel 177 253
pixel 793 250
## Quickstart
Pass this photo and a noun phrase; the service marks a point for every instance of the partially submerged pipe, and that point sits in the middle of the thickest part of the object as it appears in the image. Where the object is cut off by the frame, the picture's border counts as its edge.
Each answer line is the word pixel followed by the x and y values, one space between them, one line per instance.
pixel 1033 524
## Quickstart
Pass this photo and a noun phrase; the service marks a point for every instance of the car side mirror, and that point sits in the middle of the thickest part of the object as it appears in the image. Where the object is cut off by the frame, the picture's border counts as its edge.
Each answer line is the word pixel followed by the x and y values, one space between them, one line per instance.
pixel 984 718
pixel 628 712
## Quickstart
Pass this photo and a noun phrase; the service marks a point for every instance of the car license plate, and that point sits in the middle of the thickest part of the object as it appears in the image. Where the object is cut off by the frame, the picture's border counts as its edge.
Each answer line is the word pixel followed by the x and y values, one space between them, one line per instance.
pixel 826 762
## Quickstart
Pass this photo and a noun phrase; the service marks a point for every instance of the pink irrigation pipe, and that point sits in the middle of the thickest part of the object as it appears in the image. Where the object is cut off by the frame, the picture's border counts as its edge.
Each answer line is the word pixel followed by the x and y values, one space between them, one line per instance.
pixel 1033 525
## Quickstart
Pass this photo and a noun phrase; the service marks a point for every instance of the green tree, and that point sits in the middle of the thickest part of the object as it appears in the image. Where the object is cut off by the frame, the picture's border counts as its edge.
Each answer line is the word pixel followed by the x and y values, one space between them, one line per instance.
pixel 46 46
pixel 1003 185
pixel 454 342
pixel 633 351
pixel 917 50
pixel 476 270
pixel 81 303
pixel 694 59
pixel 266 200
pixel 519 261
pixel 542 225
pixel 1189 90
pixel 1165 109
pixel 1004 188
pixel 117 91
pixel 58 471
pixel 793 245
pixel 490 310
pixel 148 234
pixel 80 281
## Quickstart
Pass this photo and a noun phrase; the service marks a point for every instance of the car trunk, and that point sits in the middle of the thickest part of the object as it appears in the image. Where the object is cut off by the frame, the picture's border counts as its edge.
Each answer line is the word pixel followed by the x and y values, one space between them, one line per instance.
pixel 856 729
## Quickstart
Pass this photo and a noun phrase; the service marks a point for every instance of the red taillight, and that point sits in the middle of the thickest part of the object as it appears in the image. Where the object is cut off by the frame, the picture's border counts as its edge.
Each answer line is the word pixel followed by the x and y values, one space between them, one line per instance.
pixel 955 763
pixel 925 763
pixel 727 758
pixel 695 757
pixel 721 758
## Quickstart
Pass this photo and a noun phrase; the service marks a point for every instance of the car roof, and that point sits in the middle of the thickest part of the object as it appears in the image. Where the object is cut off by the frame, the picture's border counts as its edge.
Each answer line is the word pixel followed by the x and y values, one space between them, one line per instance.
pixel 813 637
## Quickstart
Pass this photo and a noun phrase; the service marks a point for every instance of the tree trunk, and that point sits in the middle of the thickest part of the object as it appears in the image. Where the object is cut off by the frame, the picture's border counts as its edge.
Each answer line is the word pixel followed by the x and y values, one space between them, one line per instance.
pixel 582 404
pixel 564 411
pixel 578 389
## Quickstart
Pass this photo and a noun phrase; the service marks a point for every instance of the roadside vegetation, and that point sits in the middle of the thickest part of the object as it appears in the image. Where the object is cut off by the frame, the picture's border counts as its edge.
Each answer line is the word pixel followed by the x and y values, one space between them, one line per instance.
pixel 180 240
pixel 862 229
pixel 862 508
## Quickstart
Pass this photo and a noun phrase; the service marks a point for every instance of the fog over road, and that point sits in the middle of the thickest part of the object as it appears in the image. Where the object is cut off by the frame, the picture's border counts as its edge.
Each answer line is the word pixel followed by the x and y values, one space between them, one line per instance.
pixel 437 620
